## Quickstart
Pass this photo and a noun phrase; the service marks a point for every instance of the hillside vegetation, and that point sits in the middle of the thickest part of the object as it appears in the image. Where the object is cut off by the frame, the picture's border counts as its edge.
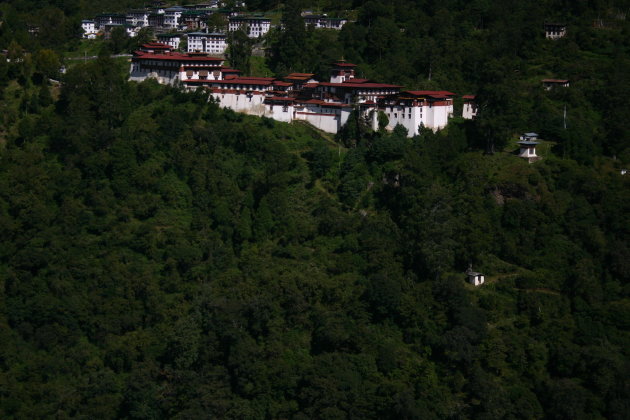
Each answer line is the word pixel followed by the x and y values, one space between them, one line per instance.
pixel 165 258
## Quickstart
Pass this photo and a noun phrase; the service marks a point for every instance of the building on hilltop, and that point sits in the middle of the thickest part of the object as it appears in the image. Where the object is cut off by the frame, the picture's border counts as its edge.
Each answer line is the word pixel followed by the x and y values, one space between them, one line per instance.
pixel 210 43
pixel 194 20
pixel 254 26
pixel 139 18
pixel 324 22
pixel 89 29
pixel 172 16
pixel 298 96
pixel 170 39
pixel 415 109
pixel 109 19
pixel 158 62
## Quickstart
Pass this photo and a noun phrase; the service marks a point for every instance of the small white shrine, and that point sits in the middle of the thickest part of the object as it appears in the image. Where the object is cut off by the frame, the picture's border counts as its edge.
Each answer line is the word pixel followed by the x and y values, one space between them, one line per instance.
pixel 475 278
pixel 528 150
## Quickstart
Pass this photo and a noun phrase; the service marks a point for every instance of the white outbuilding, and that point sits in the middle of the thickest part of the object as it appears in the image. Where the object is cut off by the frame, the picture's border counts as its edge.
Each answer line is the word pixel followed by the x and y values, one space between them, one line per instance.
pixel 475 278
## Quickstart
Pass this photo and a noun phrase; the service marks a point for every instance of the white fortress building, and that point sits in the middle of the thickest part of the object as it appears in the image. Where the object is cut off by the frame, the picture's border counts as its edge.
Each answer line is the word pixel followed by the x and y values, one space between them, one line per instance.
pixel 298 97
pixel 158 61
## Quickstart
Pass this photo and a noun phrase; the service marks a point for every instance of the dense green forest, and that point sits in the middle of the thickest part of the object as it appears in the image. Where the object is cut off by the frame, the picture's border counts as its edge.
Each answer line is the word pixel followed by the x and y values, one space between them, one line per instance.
pixel 165 258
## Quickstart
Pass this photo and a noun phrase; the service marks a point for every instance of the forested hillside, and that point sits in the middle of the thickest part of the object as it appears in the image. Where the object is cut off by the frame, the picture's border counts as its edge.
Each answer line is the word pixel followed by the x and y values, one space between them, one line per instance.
pixel 165 258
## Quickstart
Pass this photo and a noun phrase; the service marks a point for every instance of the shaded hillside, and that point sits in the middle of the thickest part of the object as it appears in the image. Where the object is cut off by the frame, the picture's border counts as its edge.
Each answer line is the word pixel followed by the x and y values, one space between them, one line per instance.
pixel 162 257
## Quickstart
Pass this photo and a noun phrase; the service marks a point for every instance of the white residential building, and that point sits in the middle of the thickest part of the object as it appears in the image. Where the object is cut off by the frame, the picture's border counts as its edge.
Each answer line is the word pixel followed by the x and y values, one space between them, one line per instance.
pixel 172 40
pixel 104 19
pixel 172 16
pixel 210 43
pixel 254 26
pixel 138 18
pixel 89 29
pixel 324 22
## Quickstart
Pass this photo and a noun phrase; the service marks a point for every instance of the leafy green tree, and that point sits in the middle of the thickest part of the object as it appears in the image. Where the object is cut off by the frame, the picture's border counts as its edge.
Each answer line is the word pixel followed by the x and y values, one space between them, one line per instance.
pixel 239 50
pixel 118 40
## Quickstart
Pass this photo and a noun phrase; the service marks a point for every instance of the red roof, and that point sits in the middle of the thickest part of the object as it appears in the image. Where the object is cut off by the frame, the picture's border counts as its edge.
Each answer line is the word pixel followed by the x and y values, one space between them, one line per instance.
pixel 265 81
pixel 197 81
pixel 174 56
pixel 432 93
pixel 555 81
pixel 311 85
pixel 360 85
pixel 156 45
pixel 299 76
pixel 228 70
pixel 469 97
pixel 280 83
pixel 342 64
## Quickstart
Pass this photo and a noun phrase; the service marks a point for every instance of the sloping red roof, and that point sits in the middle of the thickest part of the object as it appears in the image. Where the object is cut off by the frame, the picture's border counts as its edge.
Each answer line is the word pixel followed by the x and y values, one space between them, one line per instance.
pixel 156 45
pixel 197 81
pixel 280 83
pixel 360 85
pixel 555 81
pixel 299 76
pixel 469 97
pixel 311 101
pixel 174 56
pixel 431 93
pixel 341 64
pixel 264 81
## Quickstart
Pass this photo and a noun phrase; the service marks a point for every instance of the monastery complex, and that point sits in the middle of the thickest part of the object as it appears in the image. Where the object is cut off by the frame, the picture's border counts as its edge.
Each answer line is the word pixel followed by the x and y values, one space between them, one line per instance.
pixel 325 105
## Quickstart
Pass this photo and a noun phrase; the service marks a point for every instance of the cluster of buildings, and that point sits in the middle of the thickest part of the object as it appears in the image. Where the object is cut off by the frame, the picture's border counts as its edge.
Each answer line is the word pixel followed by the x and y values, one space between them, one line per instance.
pixel 159 18
pixel 171 24
pixel 299 96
